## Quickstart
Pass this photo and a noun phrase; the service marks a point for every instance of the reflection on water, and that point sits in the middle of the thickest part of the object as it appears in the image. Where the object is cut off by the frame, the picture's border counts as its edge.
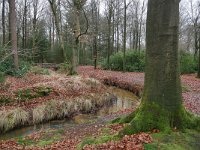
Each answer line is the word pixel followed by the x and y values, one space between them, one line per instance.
pixel 124 100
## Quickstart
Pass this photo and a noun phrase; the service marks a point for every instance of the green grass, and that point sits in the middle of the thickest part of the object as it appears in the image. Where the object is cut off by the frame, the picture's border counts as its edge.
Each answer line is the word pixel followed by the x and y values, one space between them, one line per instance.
pixel 189 140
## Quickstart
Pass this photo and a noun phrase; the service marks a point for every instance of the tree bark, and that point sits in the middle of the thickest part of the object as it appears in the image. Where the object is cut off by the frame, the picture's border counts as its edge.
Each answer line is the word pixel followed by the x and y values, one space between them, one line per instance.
pixel 13 32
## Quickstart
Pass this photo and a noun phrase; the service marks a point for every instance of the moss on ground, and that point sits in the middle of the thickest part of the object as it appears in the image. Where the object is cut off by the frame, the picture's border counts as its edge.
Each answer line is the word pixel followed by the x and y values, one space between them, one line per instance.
pixel 188 140
pixel 47 138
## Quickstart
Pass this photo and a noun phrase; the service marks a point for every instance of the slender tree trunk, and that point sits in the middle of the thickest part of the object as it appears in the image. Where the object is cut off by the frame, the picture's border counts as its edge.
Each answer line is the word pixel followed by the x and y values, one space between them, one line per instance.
pixel 110 11
pixel 13 32
pixel 118 37
pixel 198 74
pixel 3 23
pixel 24 30
pixel 95 13
pixel 124 38
pixel 113 33
pixel 140 26
pixel 196 38
pixel 58 25
pixel 53 33
pixel 35 11
pixel 9 29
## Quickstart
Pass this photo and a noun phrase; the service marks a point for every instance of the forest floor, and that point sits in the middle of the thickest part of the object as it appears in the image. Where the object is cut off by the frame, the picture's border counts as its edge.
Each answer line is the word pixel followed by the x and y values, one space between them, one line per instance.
pixel 134 82
pixel 97 132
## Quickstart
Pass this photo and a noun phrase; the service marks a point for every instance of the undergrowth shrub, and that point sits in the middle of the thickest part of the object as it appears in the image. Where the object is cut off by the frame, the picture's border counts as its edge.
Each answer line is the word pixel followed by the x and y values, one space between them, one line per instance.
pixel 134 62
pixel 187 63
pixel 39 70
pixel 8 68
pixel 64 67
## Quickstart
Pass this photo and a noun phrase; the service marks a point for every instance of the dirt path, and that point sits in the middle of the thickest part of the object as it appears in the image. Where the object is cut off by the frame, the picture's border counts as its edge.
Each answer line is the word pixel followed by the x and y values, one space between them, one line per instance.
pixel 134 82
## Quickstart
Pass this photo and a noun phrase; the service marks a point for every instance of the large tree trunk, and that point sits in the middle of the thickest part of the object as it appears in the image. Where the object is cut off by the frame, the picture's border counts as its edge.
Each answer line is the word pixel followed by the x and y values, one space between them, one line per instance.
pixel 13 32
pixel 162 76
pixel 161 107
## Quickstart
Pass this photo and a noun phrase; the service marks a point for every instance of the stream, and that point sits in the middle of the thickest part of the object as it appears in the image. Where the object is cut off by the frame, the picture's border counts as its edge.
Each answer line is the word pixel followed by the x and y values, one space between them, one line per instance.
pixel 124 100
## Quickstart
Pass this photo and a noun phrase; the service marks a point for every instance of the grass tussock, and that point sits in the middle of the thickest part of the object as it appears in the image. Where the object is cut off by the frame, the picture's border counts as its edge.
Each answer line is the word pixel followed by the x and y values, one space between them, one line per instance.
pixel 13 118
pixel 39 114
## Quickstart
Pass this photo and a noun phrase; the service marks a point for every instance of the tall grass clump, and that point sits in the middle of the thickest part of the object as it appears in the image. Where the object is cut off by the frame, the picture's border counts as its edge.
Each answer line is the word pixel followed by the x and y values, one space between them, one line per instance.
pixel 45 112
pixel 13 118
pixel 39 114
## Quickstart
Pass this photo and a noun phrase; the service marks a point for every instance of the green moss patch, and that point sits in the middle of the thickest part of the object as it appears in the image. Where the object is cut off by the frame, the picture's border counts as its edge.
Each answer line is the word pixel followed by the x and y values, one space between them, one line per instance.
pixel 188 140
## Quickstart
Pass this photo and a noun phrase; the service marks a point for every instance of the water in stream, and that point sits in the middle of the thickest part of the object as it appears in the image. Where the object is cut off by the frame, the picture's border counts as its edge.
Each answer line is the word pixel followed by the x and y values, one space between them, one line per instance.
pixel 124 100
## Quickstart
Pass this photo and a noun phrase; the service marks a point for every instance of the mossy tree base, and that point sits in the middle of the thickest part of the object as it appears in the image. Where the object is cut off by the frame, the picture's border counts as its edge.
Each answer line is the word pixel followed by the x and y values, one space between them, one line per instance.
pixel 152 116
